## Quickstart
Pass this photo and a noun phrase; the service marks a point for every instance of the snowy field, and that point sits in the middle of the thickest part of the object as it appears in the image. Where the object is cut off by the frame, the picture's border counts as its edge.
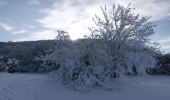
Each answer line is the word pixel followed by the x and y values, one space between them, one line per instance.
pixel 38 87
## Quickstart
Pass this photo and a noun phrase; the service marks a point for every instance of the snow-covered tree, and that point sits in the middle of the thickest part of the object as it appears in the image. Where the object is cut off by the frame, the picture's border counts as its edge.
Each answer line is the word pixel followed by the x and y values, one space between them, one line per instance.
pixel 121 28
pixel 118 45
pixel 62 35
pixel 55 56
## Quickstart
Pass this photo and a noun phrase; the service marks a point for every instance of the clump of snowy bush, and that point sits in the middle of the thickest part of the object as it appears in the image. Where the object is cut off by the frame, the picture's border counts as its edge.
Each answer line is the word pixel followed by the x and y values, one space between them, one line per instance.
pixel 9 65
pixel 46 65
pixel 117 45
pixel 3 61
pixel 162 66
pixel 12 65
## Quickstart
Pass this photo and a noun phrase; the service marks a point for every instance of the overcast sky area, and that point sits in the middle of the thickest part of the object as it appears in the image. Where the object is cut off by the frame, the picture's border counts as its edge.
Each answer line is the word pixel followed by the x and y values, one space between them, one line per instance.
pixel 24 20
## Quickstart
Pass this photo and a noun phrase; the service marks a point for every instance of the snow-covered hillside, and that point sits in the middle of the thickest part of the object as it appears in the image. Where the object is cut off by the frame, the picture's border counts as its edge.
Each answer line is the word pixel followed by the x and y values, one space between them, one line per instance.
pixel 38 87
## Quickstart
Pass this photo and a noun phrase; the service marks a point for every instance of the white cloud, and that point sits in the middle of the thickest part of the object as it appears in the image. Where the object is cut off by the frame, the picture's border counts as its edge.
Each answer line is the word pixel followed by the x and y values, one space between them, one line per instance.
pixel 165 44
pixel 6 26
pixel 165 49
pixel 13 30
pixel 158 9
pixel 19 31
pixel 30 26
pixel 40 35
pixel 74 19
pixel 75 16
pixel 33 2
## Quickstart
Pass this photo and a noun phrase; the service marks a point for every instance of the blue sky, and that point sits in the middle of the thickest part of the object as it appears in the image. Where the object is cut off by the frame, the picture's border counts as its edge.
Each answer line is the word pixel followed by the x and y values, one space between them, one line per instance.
pixel 23 20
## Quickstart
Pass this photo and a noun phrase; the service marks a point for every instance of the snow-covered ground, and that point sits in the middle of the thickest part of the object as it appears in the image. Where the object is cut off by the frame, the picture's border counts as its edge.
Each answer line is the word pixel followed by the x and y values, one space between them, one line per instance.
pixel 38 87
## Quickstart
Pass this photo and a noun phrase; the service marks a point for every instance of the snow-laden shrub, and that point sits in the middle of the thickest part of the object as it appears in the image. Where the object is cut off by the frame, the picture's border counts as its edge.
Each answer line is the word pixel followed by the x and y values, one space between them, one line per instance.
pixel 52 61
pixel 162 66
pixel 88 64
pixel 47 65
pixel 137 62
pixel 12 65
pixel 3 61
pixel 82 65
